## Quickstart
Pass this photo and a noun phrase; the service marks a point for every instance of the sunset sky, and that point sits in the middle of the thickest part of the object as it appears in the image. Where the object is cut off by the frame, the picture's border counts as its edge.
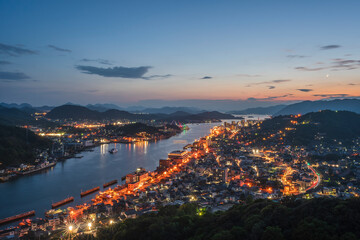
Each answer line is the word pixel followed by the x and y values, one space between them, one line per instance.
pixel 122 52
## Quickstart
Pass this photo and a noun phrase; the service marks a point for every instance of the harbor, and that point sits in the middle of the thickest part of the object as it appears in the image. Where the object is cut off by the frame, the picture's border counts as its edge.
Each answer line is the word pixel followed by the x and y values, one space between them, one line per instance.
pixel 95 168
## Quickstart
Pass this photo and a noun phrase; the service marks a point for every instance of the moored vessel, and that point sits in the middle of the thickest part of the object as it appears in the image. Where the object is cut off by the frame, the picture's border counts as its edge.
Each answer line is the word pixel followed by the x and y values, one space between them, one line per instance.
pixel 83 194
pixel 17 217
pixel 63 202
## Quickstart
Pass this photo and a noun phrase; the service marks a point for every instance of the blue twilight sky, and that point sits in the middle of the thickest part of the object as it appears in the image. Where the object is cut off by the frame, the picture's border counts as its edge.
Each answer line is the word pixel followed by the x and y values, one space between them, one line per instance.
pixel 123 52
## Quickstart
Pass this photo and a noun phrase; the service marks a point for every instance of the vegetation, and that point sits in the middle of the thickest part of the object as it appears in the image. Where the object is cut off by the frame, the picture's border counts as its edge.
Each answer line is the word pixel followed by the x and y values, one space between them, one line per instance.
pixel 318 219
pixel 325 126
pixel 18 145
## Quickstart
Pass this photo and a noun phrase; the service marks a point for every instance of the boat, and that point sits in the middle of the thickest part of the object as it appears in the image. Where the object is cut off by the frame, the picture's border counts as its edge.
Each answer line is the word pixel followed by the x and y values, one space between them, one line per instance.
pixel 62 202
pixel 114 150
pixel 110 183
pixel 83 194
pixel 17 217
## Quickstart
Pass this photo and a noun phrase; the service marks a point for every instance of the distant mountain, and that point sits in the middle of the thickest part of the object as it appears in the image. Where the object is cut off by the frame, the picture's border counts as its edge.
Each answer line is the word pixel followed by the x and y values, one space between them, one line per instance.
pixel 14 116
pixel 103 107
pixel 17 145
pixel 352 105
pixel 170 110
pixel 260 110
pixel 15 105
pixel 73 112
pixel 200 117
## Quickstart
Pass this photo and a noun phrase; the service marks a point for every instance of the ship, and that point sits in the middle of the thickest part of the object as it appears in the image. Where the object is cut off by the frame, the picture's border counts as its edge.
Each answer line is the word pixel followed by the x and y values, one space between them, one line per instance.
pixel 63 202
pixel 110 183
pixel 114 150
pixel 17 217
pixel 83 194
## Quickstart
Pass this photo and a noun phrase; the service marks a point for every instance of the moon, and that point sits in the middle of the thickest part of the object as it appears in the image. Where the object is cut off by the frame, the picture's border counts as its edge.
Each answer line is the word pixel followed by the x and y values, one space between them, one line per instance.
pixel 327 75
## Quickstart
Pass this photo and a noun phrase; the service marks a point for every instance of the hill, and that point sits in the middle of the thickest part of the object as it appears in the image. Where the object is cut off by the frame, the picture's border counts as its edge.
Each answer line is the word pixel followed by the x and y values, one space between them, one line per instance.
pixel 260 110
pixel 67 112
pixel 17 145
pixel 20 117
pixel 325 126
pixel 171 110
pixel 352 105
pixel 316 219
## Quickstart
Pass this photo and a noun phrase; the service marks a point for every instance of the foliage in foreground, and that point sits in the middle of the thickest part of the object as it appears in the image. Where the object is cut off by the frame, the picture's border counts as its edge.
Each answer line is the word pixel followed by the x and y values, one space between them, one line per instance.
pixel 318 219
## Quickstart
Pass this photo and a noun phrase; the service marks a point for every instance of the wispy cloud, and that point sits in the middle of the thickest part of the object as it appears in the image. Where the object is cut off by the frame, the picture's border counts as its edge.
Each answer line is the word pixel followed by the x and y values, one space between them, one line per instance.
pixel 337 64
pixel 13 76
pixel 271 87
pixel 296 56
pixel 157 76
pixel 99 60
pixel 270 82
pixel 206 77
pixel 59 49
pixel 309 69
pixel 248 75
pixel 14 51
pixel 269 98
pixel 331 95
pixel 304 89
pixel 329 47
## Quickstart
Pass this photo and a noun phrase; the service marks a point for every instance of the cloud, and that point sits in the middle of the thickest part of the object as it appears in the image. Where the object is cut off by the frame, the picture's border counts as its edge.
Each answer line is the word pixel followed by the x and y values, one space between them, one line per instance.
pixel 352 84
pixel 4 62
pixel 331 95
pixel 99 60
pixel 59 49
pixel 337 64
pixel 270 82
pixel 122 72
pixel 306 69
pixel 344 64
pixel 13 76
pixel 268 98
pixel 248 75
pixel 157 76
pixel 271 87
pixel 328 47
pixel 14 51
pixel 304 90
pixel 296 56
pixel 206 77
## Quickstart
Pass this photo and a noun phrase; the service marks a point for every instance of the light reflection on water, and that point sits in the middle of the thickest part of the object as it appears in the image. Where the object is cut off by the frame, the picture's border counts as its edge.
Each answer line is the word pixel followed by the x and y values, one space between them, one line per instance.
pixel 37 192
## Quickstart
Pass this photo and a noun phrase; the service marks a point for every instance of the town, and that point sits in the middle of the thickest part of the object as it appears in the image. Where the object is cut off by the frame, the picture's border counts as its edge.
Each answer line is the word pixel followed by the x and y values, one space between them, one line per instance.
pixel 229 166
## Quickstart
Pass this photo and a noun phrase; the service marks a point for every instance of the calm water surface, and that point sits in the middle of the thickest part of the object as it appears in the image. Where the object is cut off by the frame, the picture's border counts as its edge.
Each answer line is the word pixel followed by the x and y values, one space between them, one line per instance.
pixel 37 192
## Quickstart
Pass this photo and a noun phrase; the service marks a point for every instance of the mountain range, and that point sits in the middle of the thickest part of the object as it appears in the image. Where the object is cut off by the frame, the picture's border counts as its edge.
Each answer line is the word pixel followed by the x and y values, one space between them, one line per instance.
pixel 75 112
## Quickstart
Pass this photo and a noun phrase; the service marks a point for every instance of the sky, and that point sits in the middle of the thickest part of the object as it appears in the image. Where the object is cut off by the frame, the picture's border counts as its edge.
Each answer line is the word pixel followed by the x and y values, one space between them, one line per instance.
pixel 254 53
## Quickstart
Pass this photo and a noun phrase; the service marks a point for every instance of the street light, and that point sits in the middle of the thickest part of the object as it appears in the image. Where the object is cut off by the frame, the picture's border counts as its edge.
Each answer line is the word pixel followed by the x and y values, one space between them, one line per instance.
pixel 70 228
pixel 89 225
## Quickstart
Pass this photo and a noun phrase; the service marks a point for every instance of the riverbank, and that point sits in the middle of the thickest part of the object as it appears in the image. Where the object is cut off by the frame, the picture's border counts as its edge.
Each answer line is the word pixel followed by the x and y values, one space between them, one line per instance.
pixel 68 178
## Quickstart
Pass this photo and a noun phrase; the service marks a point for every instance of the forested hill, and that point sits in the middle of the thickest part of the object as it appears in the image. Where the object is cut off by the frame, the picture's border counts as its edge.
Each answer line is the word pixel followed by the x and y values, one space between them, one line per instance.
pixel 74 112
pixel 17 145
pixel 316 219
pixel 327 125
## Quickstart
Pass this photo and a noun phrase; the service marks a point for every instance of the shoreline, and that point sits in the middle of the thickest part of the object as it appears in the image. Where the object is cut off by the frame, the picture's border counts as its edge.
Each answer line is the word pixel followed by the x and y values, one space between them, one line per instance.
pixel 16 175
